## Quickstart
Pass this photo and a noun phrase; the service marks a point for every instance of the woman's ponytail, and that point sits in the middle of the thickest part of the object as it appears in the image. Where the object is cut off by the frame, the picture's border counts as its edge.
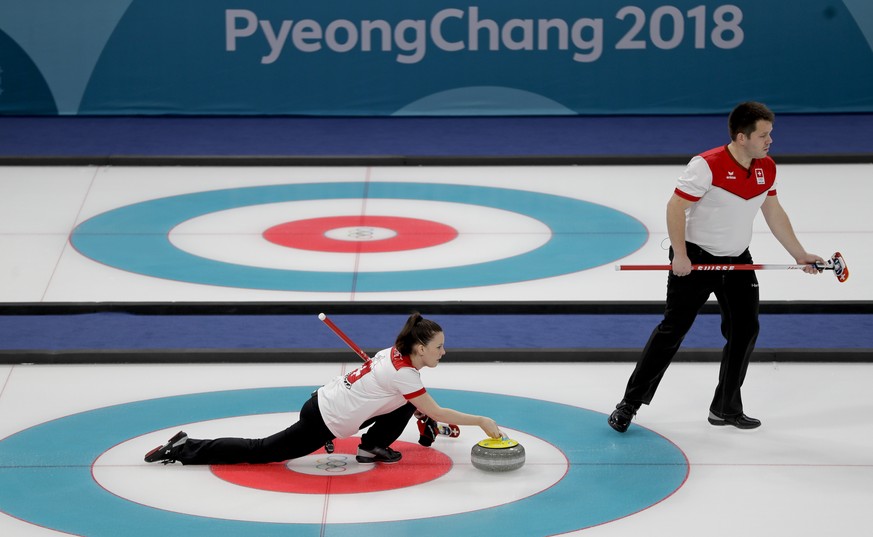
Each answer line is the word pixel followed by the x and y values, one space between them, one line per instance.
pixel 416 330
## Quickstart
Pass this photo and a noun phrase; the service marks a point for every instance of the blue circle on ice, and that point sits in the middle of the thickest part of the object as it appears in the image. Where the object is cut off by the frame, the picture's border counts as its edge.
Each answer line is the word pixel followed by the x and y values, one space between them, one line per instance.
pixel 135 238
pixel 47 479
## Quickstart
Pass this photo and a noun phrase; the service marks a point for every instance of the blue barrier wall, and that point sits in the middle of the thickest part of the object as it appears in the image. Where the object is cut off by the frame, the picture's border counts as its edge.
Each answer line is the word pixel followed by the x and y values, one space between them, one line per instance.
pixel 387 57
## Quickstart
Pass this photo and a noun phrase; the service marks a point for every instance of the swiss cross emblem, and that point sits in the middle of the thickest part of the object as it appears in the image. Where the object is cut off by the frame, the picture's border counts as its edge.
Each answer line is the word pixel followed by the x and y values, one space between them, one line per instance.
pixel 759 175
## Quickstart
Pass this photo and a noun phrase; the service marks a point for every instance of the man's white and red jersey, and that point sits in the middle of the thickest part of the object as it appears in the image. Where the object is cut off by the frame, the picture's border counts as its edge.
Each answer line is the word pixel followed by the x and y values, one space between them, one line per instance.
pixel 379 386
pixel 727 198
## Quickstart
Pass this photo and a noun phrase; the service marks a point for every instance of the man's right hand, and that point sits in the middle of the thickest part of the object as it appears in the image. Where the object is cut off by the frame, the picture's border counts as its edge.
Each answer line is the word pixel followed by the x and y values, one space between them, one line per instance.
pixel 681 265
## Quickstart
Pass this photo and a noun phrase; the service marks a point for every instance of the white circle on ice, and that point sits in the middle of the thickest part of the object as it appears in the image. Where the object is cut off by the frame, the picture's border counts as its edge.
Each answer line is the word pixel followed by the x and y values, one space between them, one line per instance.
pixel 195 490
pixel 328 464
pixel 360 233
pixel 236 235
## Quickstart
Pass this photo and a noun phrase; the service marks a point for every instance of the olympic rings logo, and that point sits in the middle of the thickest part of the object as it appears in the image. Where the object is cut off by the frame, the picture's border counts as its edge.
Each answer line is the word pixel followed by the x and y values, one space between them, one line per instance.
pixel 361 233
pixel 333 464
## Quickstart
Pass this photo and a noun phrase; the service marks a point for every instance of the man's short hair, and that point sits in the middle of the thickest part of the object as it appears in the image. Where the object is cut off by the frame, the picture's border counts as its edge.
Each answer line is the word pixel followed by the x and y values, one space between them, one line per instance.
pixel 745 117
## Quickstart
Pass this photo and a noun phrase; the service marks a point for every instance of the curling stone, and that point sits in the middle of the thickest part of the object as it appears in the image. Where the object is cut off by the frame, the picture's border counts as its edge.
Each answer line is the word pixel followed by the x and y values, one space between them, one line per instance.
pixel 497 455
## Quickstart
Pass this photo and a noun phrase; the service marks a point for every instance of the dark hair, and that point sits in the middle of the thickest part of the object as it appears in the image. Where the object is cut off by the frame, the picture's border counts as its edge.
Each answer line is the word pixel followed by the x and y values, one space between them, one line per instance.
pixel 744 118
pixel 416 330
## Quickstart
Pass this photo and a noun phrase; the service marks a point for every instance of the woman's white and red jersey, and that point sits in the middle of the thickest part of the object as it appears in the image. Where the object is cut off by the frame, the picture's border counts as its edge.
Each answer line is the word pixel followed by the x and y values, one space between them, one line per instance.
pixel 379 386
pixel 727 198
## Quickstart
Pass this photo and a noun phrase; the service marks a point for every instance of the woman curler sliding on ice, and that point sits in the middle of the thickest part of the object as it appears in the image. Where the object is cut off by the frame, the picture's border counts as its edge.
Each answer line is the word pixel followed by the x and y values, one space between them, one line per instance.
pixel 382 394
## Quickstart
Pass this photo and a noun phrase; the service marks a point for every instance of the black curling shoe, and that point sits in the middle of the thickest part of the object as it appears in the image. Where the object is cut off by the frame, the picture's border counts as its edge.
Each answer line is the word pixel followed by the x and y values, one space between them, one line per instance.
pixel 165 453
pixel 376 454
pixel 621 417
pixel 740 421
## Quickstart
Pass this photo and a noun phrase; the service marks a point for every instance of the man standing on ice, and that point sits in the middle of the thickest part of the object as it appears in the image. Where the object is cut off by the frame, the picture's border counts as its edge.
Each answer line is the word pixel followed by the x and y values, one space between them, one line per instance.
pixel 709 221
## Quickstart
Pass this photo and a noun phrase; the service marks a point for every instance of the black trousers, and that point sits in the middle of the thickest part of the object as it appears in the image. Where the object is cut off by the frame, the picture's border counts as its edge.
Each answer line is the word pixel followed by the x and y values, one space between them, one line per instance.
pixel 304 437
pixel 738 300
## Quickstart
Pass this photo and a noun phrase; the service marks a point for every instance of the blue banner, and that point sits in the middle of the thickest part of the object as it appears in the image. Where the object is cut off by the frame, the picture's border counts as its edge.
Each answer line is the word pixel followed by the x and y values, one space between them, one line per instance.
pixel 386 57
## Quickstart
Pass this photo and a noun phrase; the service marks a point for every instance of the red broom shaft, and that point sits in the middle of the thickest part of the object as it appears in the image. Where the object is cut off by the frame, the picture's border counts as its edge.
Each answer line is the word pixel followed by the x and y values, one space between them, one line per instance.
pixel 344 337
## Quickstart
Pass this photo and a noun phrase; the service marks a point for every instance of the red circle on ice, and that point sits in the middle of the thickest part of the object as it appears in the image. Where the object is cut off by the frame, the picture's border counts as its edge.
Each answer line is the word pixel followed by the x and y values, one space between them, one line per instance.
pixel 340 473
pixel 360 234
